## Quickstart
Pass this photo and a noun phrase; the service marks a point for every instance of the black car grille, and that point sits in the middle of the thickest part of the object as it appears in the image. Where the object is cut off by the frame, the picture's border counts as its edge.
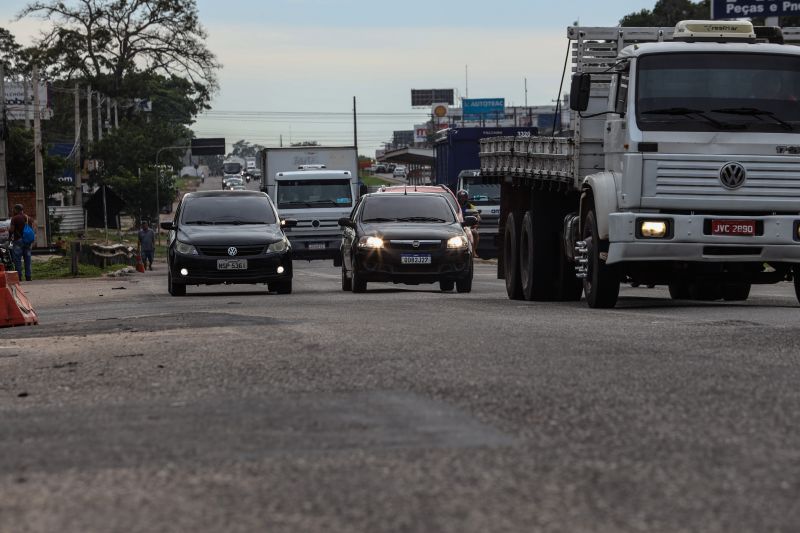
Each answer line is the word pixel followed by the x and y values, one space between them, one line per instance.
pixel 409 245
pixel 241 251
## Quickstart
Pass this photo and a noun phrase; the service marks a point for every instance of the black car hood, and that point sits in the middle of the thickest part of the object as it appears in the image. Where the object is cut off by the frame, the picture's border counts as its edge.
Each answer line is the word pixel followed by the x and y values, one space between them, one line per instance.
pixel 394 230
pixel 230 234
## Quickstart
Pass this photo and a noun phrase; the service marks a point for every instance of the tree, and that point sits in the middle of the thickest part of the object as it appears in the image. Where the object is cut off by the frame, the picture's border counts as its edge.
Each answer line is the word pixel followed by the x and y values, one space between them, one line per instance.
pixel 245 149
pixel 668 13
pixel 20 165
pixel 10 51
pixel 105 41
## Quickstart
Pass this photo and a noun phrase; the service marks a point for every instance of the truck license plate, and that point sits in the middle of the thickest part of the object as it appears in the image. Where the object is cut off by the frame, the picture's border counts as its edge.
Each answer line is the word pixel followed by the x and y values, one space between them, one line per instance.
pixel 733 227
pixel 231 264
pixel 415 259
pixel 316 246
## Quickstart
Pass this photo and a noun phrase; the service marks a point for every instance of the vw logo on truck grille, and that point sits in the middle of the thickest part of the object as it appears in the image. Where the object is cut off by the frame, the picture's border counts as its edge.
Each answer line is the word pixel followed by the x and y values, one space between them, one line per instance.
pixel 232 251
pixel 732 175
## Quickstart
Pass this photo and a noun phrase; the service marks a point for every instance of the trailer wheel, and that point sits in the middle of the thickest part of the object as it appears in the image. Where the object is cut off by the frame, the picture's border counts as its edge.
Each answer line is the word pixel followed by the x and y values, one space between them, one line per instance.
pixel 601 285
pixel 736 292
pixel 536 259
pixel 511 259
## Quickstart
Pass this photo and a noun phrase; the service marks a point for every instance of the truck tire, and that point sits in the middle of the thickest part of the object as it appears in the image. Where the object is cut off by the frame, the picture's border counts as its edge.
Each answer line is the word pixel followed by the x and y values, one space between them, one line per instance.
pixel 736 292
pixel 680 290
pixel 347 285
pixel 511 258
pixel 536 268
pixel 601 285
pixel 569 287
pixel 706 292
pixel 175 289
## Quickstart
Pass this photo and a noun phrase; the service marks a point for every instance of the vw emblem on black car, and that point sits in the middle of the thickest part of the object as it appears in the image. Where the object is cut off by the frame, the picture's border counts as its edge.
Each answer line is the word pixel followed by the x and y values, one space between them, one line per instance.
pixel 732 175
pixel 232 251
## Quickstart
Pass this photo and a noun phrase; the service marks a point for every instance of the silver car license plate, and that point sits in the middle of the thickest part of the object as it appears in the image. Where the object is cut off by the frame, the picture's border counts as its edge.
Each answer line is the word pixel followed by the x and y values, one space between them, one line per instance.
pixel 231 264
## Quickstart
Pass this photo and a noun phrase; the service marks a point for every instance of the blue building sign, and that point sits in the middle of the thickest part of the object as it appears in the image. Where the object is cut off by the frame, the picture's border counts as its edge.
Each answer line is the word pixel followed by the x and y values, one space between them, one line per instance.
pixel 732 9
pixel 484 108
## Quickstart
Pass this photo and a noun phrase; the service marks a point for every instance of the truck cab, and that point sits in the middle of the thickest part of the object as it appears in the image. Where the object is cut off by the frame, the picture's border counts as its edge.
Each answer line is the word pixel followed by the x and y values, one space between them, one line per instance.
pixel 317 199
pixel 485 196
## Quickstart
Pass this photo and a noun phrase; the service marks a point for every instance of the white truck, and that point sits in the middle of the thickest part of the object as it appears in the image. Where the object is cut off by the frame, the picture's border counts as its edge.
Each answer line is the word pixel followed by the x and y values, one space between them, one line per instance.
pixel 315 186
pixel 486 199
pixel 682 168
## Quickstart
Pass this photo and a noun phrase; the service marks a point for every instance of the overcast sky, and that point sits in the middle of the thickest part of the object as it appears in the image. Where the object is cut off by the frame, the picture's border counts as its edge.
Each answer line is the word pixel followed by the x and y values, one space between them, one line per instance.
pixel 313 56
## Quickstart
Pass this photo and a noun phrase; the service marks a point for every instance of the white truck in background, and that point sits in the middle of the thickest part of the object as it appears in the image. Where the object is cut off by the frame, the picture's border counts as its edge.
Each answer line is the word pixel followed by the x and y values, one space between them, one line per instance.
pixel 486 199
pixel 315 186
pixel 682 168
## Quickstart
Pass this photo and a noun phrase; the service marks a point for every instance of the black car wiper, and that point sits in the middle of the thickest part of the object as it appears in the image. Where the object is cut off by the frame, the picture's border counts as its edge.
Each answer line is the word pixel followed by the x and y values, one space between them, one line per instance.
pixel 686 111
pixel 317 202
pixel 200 222
pixel 379 219
pixel 754 112
pixel 285 205
pixel 421 219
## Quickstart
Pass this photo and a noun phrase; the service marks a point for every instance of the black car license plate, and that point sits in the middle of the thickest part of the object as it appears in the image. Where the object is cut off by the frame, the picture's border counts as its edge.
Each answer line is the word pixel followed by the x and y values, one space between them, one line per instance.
pixel 415 259
pixel 231 264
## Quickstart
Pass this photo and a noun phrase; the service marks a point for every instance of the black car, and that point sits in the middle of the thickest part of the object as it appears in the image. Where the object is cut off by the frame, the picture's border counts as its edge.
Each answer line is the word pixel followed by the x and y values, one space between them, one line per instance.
pixel 405 238
pixel 228 237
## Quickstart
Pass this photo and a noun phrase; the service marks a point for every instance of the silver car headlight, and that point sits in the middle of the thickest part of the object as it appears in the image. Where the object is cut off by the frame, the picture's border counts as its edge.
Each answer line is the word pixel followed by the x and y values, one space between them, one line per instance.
pixel 278 247
pixel 185 249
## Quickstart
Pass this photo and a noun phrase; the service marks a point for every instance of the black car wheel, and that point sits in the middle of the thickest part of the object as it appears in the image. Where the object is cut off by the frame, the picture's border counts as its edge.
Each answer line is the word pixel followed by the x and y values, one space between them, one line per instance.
pixel 281 287
pixel 446 285
pixel 464 285
pixel 357 281
pixel 347 285
pixel 175 289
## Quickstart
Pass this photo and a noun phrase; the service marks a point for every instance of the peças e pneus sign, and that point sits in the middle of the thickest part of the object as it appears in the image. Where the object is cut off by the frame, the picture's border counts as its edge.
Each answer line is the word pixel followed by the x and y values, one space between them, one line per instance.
pixel 730 9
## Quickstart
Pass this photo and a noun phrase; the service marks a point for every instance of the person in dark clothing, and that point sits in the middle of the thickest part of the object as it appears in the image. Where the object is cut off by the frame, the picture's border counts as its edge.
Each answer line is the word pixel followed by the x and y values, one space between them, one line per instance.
pixel 147 244
pixel 21 250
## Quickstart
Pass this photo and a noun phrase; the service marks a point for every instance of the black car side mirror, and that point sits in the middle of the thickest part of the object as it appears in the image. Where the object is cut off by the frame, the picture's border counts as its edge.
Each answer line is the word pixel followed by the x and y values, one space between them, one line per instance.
pixel 346 222
pixel 288 223
pixel 470 222
pixel 169 226
pixel 579 92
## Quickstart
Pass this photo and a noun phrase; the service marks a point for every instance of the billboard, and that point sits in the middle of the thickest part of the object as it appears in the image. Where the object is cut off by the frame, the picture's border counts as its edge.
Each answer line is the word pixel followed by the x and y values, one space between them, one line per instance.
pixel 427 97
pixel 15 101
pixel 214 146
pixel 421 133
pixel 731 9
pixel 483 108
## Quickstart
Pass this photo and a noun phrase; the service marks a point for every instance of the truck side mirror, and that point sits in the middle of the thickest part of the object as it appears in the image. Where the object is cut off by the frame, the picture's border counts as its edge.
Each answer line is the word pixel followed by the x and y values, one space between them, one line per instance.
pixel 579 92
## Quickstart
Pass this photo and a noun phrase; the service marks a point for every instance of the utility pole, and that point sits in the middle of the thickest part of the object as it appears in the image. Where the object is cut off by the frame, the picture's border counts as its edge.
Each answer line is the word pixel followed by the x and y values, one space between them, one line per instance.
pixel 99 118
pixel 108 113
pixel 3 123
pixel 41 208
pixel 25 96
pixel 355 129
pixel 116 116
pixel 526 92
pixel 78 196
pixel 466 78
pixel 89 132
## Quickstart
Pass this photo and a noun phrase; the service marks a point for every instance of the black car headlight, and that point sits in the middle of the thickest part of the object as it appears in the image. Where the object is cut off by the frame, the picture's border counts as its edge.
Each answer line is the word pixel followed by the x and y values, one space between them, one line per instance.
pixel 278 247
pixel 185 249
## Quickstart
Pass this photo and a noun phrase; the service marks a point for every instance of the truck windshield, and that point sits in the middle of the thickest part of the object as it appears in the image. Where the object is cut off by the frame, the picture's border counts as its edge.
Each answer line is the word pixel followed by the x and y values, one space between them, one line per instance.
pixel 718 92
pixel 482 193
pixel 231 168
pixel 297 194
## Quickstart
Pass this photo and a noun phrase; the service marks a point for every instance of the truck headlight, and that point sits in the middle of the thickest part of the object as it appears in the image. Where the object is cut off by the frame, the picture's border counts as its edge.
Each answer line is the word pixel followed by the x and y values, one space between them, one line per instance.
pixel 373 243
pixel 457 242
pixel 653 229
pixel 278 247
pixel 185 249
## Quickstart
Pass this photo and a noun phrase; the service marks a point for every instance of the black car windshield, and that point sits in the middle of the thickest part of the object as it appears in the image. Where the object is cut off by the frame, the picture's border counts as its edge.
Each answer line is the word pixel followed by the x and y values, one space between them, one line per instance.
pixel 297 194
pixel 223 210
pixel 407 208
pixel 718 92
pixel 483 193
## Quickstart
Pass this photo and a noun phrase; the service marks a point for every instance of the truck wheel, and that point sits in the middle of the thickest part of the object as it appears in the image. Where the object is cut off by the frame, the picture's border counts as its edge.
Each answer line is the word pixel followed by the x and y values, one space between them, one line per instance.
pixel 357 281
pixel 347 285
pixel 569 288
pixel 535 264
pixel 680 290
pixel 446 285
pixel 706 292
pixel 281 287
pixel 175 289
pixel 511 259
pixel 735 292
pixel 601 285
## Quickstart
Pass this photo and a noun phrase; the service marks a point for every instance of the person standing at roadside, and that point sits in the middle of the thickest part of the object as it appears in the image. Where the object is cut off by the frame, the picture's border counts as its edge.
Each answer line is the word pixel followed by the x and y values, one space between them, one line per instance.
pixel 147 244
pixel 22 236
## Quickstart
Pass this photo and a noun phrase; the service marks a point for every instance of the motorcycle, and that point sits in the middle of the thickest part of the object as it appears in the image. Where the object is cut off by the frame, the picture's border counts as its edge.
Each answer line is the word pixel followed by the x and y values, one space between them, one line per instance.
pixel 6 259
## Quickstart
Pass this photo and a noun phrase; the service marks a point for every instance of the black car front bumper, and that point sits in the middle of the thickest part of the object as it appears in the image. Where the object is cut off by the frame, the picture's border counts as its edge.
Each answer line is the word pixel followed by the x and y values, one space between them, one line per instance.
pixel 202 270
pixel 384 265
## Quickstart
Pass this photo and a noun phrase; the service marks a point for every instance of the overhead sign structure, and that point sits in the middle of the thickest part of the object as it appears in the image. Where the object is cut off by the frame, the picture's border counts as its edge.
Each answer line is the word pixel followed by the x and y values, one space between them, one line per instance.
pixel 215 146
pixel 731 9
pixel 483 108
pixel 15 101
pixel 427 97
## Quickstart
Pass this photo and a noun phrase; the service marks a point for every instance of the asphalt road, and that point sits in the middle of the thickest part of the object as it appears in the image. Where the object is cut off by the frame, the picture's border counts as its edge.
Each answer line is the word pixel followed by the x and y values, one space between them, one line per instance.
pixel 402 409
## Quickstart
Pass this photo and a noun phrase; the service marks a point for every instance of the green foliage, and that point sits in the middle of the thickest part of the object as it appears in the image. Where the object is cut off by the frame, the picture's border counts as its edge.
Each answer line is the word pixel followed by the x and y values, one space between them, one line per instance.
pixel 20 167
pixel 245 149
pixel 59 267
pixel 668 13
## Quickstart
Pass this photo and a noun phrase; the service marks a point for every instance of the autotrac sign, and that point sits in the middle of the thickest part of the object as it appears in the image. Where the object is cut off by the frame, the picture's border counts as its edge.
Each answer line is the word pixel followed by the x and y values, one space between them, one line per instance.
pixel 729 9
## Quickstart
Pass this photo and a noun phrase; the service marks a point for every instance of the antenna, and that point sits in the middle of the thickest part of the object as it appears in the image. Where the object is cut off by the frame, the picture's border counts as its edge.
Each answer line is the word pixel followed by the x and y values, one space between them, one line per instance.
pixel 466 78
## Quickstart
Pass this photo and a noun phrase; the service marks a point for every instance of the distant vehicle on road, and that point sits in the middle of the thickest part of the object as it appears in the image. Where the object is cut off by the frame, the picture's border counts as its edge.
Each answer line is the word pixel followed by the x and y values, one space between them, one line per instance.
pixel 228 237
pixel 406 238
pixel 237 188
pixel 233 182
pixel 400 172
pixel 381 168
